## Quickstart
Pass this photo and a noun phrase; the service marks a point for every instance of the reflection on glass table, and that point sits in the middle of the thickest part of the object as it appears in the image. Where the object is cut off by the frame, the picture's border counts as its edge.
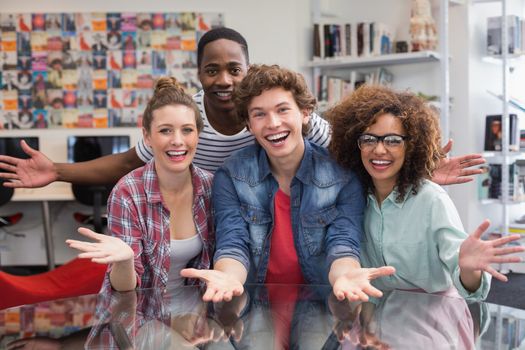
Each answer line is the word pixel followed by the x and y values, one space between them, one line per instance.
pixel 264 317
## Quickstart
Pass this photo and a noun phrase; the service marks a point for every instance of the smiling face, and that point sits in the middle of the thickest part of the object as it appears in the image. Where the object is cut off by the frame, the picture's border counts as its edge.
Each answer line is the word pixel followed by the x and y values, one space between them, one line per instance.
pixel 276 122
pixel 223 65
pixel 384 163
pixel 173 137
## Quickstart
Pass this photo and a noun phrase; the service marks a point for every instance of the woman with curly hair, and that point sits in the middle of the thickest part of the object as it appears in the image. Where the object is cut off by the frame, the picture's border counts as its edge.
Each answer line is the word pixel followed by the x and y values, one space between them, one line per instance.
pixel 392 141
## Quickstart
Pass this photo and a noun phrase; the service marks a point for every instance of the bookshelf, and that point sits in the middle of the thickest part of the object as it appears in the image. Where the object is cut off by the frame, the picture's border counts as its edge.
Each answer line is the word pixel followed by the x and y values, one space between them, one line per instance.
pixel 339 65
pixel 375 61
pixel 508 159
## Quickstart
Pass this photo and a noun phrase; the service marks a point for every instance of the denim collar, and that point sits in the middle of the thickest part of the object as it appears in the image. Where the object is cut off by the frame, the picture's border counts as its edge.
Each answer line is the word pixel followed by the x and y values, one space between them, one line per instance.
pixel 305 167
pixel 308 171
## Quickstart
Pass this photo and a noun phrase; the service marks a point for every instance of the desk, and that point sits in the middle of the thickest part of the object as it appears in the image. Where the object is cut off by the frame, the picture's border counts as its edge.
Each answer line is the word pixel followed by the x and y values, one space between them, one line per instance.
pixel 150 319
pixel 57 191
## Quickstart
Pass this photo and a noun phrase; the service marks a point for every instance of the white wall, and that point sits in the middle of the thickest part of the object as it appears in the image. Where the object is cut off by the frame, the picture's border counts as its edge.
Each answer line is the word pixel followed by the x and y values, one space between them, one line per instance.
pixel 276 31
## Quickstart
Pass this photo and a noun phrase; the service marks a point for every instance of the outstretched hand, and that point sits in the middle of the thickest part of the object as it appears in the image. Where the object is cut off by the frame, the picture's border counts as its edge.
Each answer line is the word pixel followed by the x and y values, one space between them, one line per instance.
pixel 355 285
pixel 457 170
pixel 37 171
pixel 104 250
pixel 477 255
pixel 219 285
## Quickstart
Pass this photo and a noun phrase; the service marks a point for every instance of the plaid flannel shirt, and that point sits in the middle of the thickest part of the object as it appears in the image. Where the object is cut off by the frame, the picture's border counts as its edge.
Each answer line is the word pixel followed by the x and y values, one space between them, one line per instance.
pixel 137 215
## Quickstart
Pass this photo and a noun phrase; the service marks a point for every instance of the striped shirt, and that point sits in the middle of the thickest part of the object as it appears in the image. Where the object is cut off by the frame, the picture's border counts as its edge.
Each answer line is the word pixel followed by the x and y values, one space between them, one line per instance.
pixel 214 147
pixel 138 216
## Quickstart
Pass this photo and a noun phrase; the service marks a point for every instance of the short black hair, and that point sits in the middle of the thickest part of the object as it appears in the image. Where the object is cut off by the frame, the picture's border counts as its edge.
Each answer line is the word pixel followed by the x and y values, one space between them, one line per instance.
pixel 221 33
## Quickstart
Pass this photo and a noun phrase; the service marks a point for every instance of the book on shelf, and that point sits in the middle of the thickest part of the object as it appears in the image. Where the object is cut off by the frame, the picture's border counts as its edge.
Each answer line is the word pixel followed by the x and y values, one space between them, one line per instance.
pixel 493 130
pixel 490 183
pixel 484 184
pixel 351 39
pixel 515 35
pixel 331 89
pixel 317 41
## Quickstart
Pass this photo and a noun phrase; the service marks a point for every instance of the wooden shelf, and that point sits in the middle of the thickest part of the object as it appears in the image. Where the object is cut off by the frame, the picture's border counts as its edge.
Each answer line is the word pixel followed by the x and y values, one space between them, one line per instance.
pixel 373 61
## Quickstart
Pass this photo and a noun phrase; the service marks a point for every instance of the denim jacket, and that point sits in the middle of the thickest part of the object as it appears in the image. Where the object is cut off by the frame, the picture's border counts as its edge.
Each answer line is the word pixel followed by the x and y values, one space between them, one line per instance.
pixel 327 204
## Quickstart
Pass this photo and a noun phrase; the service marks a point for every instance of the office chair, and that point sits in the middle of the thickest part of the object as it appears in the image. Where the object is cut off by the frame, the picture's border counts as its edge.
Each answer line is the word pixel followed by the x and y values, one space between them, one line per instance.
pixel 84 149
pixel 97 197
pixel 5 196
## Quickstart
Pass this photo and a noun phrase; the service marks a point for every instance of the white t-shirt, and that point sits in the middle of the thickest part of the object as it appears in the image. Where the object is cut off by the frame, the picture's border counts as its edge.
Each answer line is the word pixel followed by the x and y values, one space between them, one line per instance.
pixel 184 300
pixel 181 252
pixel 214 147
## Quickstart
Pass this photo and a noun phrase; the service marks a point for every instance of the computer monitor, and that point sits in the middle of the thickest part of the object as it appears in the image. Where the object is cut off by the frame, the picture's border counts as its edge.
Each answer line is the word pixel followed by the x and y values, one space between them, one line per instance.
pixel 82 148
pixel 10 146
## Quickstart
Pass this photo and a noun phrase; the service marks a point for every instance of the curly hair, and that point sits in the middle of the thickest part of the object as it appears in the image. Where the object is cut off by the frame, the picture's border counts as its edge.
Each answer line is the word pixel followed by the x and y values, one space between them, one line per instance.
pixel 355 113
pixel 263 77
pixel 168 91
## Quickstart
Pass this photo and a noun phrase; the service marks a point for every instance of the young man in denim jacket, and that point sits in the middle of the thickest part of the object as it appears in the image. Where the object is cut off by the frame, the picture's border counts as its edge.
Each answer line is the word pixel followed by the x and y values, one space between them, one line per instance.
pixel 286 213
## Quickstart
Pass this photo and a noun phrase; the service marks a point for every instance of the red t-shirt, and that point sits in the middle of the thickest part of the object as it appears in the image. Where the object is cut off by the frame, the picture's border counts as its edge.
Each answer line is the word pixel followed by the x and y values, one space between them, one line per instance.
pixel 283 268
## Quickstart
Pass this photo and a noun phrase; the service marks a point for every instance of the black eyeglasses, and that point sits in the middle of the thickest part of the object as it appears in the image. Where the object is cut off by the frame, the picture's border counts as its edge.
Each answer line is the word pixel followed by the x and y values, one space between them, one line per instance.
pixel 390 141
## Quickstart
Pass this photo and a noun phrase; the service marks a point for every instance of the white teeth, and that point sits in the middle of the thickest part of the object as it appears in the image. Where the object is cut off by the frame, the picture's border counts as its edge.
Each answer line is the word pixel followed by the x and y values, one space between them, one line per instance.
pixel 176 153
pixel 277 136
pixel 223 94
pixel 381 162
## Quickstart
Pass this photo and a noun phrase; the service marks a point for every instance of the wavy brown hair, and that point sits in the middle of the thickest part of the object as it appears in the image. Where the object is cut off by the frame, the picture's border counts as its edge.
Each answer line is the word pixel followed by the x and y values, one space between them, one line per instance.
pixel 355 113
pixel 264 77
pixel 168 91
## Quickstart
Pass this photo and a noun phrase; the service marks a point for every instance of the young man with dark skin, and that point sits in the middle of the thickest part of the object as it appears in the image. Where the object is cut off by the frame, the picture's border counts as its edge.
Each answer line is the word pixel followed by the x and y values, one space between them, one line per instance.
pixel 222 63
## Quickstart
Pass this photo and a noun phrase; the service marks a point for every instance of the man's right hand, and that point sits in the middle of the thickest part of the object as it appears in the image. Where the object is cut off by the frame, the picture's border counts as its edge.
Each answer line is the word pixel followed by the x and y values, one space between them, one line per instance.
pixel 220 286
pixel 37 171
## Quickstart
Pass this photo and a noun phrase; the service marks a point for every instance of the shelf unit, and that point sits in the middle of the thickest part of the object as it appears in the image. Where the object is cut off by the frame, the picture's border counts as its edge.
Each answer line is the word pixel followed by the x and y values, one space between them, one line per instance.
pixel 374 61
pixel 506 157
pixel 318 65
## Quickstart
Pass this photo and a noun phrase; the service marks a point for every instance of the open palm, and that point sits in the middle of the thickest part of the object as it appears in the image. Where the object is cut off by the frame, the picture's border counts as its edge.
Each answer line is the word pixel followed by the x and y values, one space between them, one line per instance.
pixel 219 285
pixel 355 284
pixel 476 254
pixel 37 171
pixel 104 249
pixel 457 170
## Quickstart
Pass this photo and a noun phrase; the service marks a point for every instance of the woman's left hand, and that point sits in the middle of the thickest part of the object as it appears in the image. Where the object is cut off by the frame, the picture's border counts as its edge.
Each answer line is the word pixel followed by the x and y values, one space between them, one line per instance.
pixel 476 254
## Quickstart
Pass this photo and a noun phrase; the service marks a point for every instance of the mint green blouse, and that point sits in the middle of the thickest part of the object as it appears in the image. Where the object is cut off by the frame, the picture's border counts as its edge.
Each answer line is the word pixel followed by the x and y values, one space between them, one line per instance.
pixel 420 237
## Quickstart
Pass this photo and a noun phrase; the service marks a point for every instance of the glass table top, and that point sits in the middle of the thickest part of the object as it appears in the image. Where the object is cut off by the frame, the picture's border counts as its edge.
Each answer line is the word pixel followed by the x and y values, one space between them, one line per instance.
pixel 264 317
